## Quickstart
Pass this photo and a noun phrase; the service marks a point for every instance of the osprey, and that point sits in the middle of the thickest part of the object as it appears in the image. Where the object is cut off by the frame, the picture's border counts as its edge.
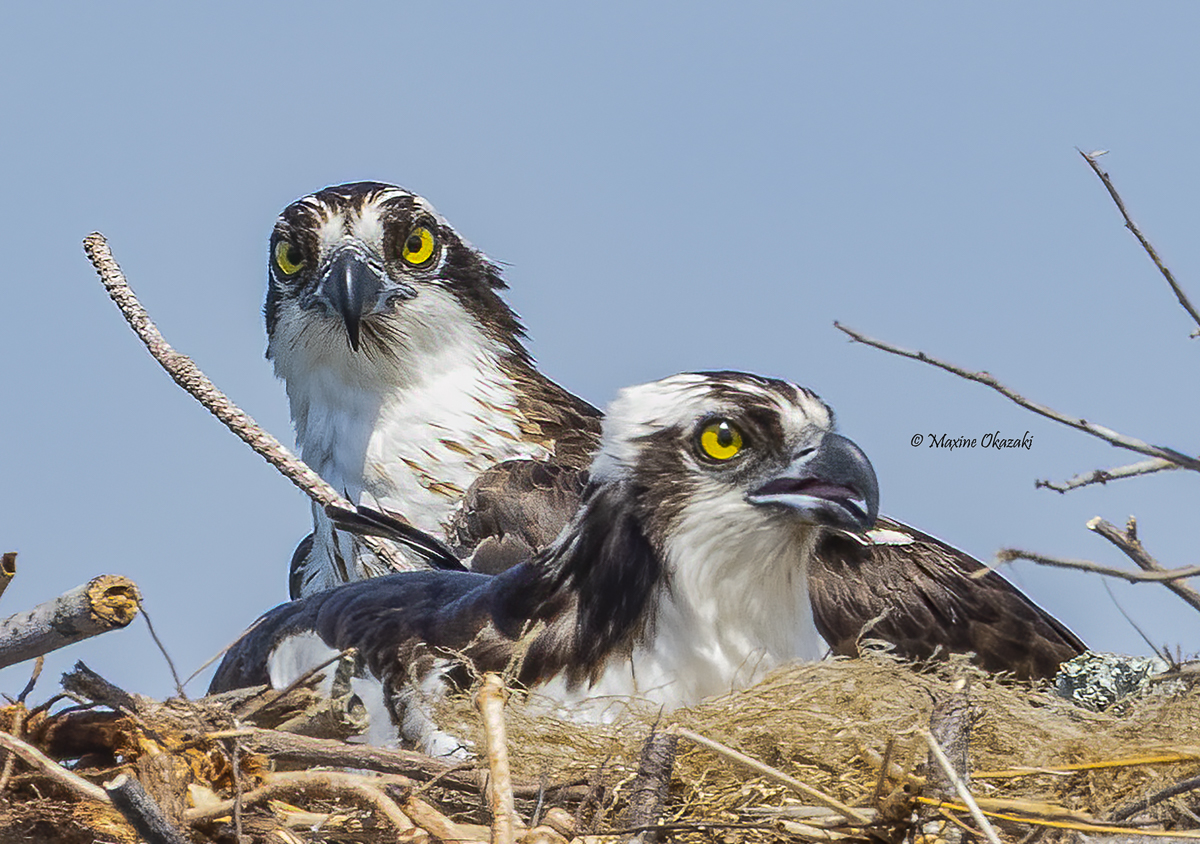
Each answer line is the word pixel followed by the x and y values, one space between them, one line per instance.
pixel 407 376
pixel 683 573
pixel 411 390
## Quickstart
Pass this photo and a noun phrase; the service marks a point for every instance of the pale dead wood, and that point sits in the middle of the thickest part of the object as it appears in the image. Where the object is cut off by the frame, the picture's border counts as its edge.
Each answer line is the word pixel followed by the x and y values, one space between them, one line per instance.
pixel 490 701
pixel 331 783
pixel 1185 303
pixel 1131 546
pixel 33 757
pixel 852 815
pixel 1099 431
pixel 960 787
pixel 187 375
pixel 143 814
pixel 8 569
pixel 438 825
pixel 1103 476
pixel 104 603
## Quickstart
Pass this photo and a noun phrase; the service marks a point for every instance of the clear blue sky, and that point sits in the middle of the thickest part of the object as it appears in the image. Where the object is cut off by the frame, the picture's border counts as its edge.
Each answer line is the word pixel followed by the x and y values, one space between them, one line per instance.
pixel 670 187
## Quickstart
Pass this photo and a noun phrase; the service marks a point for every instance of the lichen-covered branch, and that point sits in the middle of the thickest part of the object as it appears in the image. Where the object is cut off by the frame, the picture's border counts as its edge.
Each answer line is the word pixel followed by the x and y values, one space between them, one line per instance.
pixel 104 603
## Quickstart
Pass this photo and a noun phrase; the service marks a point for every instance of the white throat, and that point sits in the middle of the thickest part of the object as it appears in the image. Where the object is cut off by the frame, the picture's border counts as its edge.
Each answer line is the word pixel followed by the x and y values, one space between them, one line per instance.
pixel 735 610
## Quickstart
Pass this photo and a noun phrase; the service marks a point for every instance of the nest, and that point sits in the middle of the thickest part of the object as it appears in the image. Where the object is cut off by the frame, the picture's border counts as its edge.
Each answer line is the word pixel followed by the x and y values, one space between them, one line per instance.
pixel 850 729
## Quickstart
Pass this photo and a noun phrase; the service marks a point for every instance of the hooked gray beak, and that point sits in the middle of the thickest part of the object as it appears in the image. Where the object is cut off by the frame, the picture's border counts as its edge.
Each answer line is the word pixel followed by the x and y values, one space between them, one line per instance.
pixel 832 485
pixel 355 289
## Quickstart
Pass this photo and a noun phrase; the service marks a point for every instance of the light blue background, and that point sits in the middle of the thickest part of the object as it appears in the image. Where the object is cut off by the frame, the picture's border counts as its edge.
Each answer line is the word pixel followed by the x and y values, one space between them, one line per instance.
pixel 670 187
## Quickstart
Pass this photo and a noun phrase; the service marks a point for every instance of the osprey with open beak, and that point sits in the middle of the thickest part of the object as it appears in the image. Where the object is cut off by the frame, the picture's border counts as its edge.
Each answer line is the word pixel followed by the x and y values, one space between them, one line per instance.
pixel 683 574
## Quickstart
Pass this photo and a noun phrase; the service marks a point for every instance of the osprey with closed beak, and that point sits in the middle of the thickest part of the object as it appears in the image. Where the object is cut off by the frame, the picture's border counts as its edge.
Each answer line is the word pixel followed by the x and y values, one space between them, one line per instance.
pixel 407 376
pixel 411 391
pixel 683 574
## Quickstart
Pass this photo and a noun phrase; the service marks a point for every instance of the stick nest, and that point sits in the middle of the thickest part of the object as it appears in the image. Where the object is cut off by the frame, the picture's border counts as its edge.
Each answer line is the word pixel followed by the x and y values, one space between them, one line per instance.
pixel 1032 756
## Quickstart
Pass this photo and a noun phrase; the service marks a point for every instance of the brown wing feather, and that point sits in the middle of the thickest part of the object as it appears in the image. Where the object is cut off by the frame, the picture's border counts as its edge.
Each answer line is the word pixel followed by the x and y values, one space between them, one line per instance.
pixel 920 597
pixel 515 509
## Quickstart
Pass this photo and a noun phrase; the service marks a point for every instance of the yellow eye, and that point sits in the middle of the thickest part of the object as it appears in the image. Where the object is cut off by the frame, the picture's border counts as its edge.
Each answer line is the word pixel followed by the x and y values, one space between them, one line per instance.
pixel 720 440
pixel 288 258
pixel 418 247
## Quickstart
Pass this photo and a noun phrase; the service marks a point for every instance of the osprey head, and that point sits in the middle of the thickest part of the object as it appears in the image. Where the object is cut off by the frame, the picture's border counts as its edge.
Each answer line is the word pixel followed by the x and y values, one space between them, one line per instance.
pixel 735 449
pixel 369 268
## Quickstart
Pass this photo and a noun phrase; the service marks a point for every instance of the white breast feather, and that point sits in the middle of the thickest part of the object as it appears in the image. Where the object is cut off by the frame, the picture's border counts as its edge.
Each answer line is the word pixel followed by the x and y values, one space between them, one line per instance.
pixel 737 608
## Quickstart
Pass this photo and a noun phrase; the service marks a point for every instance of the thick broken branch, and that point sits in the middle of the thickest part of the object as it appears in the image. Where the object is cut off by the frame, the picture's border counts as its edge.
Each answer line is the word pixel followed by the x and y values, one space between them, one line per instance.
pixel 143 814
pixel 1185 303
pixel 187 375
pixel 104 603
pixel 648 792
pixel 987 379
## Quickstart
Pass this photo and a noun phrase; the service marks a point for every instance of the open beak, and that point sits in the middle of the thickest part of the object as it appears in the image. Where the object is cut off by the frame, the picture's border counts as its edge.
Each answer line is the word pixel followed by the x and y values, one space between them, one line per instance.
pixel 354 289
pixel 832 485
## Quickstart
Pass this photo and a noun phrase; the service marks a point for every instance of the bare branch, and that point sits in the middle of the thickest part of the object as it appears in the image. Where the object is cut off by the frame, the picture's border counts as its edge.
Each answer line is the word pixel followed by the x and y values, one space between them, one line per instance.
pixel 1098 431
pixel 187 375
pixel 104 603
pixel 327 782
pixel 142 812
pixel 1131 546
pixel 1103 476
pixel 1090 158
pixel 1007 555
pixel 8 569
pixel 33 757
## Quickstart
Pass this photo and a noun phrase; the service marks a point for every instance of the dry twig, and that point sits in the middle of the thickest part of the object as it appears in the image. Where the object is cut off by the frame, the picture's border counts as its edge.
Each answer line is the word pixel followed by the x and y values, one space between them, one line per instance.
pixel 331 782
pixel 187 375
pixel 1131 546
pixel 490 703
pixel 853 815
pixel 36 759
pixel 960 787
pixel 1007 555
pixel 1099 431
pixel 1185 303
pixel 272 697
pixel 1103 476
